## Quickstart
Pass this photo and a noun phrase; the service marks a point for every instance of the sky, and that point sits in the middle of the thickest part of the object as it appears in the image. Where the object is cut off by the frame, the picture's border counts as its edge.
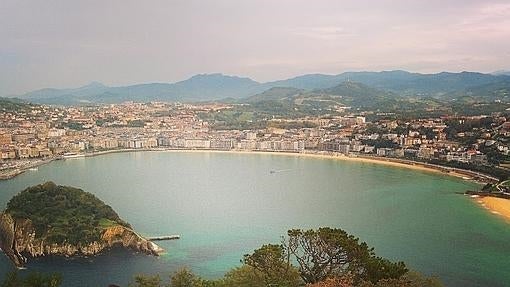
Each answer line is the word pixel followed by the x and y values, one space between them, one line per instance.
pixel 69 43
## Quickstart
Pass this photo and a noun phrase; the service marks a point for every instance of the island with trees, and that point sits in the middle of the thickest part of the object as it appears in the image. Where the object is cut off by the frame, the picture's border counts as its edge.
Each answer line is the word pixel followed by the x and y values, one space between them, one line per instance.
pixel 50 219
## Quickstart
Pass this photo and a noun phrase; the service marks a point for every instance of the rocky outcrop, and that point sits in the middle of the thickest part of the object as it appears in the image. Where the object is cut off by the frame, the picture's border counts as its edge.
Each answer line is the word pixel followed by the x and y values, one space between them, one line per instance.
pixel 7 239
pixel 19 242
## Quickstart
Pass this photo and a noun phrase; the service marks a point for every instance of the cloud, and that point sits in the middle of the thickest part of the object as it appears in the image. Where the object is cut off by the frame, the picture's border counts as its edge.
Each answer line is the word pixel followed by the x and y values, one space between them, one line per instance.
pixel 59 43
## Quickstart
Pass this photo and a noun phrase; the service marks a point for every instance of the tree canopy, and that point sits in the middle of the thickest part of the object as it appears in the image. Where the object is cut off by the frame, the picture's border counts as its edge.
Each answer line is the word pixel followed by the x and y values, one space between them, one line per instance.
pixel 328 252
pixel 63 213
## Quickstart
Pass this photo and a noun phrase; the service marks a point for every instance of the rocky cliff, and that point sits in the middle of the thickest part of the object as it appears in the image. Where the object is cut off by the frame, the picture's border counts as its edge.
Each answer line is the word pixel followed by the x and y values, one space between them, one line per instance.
pixel 19 241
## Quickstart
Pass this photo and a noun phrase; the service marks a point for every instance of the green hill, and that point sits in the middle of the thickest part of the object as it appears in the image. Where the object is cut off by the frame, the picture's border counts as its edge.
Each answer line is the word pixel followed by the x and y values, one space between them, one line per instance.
pixel 489 92
pixel 63 213
pixel 13 105
pixel 275 94
pixel 50 219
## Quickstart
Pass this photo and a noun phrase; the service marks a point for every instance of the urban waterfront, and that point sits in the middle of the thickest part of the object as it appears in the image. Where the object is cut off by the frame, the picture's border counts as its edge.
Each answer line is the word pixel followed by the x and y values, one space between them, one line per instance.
pixel 225 205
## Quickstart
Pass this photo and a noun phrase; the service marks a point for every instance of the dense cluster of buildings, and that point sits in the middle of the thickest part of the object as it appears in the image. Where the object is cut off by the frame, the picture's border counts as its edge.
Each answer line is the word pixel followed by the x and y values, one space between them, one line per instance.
pixel 47 132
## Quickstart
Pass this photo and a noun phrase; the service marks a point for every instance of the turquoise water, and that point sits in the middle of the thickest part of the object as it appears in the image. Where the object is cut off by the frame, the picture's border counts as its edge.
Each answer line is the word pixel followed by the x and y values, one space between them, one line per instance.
pixel 225 205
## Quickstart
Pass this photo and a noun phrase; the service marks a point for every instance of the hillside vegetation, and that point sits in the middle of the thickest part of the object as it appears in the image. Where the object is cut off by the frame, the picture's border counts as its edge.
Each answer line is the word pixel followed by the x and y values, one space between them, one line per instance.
pixel 62 213
pixel 13 105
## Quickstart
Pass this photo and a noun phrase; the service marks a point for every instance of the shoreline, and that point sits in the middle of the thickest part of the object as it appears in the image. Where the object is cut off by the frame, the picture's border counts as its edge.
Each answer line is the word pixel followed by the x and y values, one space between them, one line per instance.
pixel 393 162
pixel 497 206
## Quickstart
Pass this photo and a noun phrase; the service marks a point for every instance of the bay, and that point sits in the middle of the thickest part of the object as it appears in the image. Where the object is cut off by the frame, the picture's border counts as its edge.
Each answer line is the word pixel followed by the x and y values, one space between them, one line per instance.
pixel 225 205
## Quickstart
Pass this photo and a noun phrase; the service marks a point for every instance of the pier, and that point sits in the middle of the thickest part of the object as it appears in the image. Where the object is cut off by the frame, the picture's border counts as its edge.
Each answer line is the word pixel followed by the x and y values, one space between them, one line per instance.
pixel 165 237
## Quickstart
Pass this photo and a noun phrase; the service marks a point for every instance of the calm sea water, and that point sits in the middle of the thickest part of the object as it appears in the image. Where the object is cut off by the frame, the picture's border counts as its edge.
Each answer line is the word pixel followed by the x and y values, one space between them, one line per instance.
pixel 225 205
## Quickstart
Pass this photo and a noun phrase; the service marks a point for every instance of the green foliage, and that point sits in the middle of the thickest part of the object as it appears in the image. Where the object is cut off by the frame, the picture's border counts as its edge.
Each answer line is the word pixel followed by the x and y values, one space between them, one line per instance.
pixel 185 278
pixel 14 105
pixel 146 281
pixel 73 126
pixel 244 276
pixel 362 96
pixel 375 269
pixel 32 280
pixel 458 125
pixel 62 213
pixel 494 156
pixel 328 252
pixel 490 92
pixel 475 108
pixel 273 266
pixel 181 278
pixel 239 117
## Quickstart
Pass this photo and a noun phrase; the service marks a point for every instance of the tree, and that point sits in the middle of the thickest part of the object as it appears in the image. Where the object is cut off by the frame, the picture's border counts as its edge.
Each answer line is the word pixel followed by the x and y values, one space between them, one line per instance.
pixel 32 280
pixel 376 268
pixel 244 276
pixel 273 264
pixel 12 280
pixel 146 281
pixel 184 278
pixel 323 253
pixel 327 252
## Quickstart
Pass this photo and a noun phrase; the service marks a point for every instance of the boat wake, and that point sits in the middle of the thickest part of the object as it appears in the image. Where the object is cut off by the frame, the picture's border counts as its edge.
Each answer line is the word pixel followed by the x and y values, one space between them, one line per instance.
pixel 279 170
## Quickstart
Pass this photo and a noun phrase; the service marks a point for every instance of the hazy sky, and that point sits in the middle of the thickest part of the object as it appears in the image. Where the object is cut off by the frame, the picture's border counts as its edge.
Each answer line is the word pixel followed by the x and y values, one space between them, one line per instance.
pixel 70 43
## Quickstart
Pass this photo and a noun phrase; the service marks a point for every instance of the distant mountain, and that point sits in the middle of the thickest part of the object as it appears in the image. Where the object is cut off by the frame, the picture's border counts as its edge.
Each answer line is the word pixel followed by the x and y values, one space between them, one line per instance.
pixel 308 82
pixel 91 89
pixel 347 93
pixel 203 87
pixel 350 89
pixel 501 73
pixel 359 95
pixel 211 87
pixel 274 94
pixel 298 102
pixel 401 82
pixel 489 92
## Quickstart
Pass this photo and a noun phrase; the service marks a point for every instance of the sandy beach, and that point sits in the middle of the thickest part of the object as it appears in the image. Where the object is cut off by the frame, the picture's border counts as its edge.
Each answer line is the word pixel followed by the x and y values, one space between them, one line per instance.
pixel 498 206
pixel 400 163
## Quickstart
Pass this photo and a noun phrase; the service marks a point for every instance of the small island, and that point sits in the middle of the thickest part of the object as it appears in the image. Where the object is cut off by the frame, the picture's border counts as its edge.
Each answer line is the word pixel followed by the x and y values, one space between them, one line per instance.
pixel 50 219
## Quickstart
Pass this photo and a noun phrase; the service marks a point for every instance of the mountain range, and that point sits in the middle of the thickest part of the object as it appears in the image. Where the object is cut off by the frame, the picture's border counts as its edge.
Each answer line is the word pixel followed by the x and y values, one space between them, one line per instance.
pixel 214 87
